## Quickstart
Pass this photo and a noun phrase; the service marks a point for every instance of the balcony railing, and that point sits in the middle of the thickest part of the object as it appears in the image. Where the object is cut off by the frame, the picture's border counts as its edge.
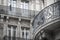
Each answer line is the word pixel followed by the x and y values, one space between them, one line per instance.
pixel 14 38
pixel 47 15
pixel 17 12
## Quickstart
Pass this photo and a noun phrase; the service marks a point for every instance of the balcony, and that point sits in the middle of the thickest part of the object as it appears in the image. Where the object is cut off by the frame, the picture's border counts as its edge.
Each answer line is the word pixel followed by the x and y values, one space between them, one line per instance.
pixel 46 16
pixel 14 38
pixel 18 12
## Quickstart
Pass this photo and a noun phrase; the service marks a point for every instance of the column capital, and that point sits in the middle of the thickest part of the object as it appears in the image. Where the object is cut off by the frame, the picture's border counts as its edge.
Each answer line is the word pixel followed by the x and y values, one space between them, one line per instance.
pixel 2 16
pixel 19 19
pixel 7 17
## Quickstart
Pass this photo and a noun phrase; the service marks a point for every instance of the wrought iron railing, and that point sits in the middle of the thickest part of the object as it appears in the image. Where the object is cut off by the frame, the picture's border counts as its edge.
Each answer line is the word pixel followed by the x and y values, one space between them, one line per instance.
pixel 46 15
pixel 14 38
pixel 18 12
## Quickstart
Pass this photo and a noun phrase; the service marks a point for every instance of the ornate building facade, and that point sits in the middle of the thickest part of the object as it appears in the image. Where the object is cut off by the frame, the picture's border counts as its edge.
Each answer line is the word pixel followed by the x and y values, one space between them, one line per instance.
pixel 29 20
pixel 46 24
pixel 16 19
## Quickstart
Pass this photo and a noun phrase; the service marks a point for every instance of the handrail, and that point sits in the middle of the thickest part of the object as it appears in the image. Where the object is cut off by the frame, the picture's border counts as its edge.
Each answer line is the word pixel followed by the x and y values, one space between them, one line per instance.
pixel 47 14
pixel 43 9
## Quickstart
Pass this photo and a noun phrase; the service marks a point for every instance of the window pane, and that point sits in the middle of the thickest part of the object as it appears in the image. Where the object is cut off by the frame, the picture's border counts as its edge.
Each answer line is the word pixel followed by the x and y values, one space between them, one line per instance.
pixel 25 5
pixel 23 34
pixel 14 33
pixel 21 5
pixel 9 34
pixel 26 34
pixel 10 8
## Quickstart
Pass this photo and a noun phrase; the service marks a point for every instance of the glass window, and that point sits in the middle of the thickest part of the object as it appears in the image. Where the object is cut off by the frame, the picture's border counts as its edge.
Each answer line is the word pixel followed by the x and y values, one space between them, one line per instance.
pixel 11 32
pixel 24 5
pixel 23 34
pixel 12 5
pixel 14 35
pixel 27 34
pixel 32 7
pixel 10 8
pixel 21 5
pixel 24 11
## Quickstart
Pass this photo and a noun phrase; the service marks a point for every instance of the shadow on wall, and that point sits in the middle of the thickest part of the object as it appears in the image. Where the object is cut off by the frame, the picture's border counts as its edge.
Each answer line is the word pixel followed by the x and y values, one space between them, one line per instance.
pixel 44 38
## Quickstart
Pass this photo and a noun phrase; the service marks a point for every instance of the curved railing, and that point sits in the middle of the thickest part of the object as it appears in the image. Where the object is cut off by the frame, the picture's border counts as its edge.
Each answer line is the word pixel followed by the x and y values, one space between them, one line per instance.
pixel 47 15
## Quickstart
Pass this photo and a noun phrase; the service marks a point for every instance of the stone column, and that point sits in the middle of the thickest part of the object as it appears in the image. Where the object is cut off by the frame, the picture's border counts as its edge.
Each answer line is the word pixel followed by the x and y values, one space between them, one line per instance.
pixel 5 29
pixel 19 29
pixel 31 30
